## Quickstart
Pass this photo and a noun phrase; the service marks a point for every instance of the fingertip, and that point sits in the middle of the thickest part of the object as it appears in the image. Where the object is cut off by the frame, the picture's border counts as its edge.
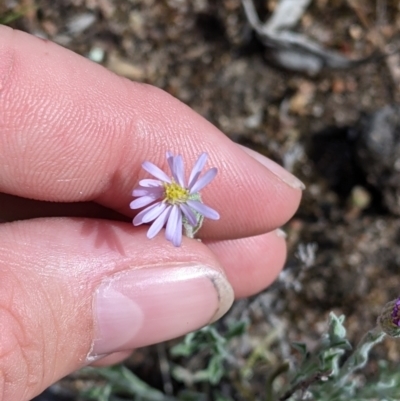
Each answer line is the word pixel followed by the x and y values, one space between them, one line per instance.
pixel 283 174
pixel 251 264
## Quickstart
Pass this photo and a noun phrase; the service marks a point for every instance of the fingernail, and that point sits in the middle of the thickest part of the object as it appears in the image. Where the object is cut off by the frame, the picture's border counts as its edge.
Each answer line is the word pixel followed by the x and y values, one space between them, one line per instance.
pixel 152 304
pixel 276 169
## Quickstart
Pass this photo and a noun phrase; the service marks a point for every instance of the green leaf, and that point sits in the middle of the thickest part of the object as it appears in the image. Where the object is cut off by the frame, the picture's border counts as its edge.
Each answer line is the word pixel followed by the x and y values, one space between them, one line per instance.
pixel 123 380
pixel 215 369
pixel 337 330
pixel 301 347
pixel 13 15
pixel 236 329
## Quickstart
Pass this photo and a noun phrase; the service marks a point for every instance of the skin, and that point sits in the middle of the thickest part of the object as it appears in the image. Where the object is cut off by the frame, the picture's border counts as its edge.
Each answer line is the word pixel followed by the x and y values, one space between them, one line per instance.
pixel 72 139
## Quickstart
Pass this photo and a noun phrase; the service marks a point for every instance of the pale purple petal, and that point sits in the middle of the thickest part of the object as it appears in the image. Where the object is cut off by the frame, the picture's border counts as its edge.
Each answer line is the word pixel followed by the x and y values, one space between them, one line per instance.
pixel 196 170
pixel 154 213
pixel 206 211
pixel 170 160
pixel 177 237
pixel 148 182
pixel 189 214
pixel 137 192
pixel 203 181
pixel 138 220
pixel 143 191
pixel 143 201
pixel 171 163
pixel 179 170
pixel 172 224
pixel 158 224
pixel 155 171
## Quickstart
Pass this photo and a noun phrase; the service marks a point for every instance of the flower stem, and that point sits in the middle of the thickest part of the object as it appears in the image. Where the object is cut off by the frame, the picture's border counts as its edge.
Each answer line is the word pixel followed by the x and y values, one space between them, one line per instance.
pixel 359 357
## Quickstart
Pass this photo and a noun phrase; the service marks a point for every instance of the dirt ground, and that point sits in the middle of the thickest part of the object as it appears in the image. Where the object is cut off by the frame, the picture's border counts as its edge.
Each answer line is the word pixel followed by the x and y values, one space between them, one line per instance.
pixel 205 53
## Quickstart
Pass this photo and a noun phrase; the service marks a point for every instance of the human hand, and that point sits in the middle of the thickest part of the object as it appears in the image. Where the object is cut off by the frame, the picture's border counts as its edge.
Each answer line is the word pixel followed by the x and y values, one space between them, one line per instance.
pixel 79 283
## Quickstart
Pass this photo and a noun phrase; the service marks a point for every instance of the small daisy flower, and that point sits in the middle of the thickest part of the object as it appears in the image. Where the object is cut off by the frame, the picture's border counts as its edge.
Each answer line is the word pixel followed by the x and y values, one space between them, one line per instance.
pixel 389 319
pixel 173 203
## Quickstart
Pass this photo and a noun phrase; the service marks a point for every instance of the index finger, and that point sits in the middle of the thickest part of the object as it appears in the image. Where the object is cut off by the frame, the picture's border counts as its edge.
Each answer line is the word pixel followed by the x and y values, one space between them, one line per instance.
pixel 71 131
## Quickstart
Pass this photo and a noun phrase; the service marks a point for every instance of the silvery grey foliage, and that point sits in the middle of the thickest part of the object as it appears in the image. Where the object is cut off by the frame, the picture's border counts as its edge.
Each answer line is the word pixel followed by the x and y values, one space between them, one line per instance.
pixel 332 371
pixel 209 340
pixel 322 376
pixel 292 277
pixel 290 49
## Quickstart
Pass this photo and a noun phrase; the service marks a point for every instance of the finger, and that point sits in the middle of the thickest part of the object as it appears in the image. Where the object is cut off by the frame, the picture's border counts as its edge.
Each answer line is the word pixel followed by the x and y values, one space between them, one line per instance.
pixel 72 290
pixel 14 208
pixel 251 264
pixel 72 131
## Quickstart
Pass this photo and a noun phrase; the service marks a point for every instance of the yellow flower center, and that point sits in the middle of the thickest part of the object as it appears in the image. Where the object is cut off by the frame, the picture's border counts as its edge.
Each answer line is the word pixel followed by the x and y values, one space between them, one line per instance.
pixel 174 193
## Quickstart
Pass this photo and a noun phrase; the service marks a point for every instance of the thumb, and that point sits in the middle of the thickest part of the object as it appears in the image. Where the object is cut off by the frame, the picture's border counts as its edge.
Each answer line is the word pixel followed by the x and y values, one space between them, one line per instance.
pixel 75 290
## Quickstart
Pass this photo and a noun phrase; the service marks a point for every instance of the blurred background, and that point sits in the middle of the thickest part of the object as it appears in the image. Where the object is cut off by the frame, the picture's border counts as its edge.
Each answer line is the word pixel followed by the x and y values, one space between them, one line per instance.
pixel 335 124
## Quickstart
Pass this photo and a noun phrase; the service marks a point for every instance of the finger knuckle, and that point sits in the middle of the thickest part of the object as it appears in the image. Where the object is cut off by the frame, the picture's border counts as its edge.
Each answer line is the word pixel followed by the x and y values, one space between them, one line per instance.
pixel 21 367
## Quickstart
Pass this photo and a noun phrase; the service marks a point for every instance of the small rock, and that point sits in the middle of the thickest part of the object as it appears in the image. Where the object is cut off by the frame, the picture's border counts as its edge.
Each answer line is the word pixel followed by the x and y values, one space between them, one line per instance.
pixel 356 32
pixel 302 98
pixel 338 86
pixel 80 23
pixel 378 151
pixel 96 54
pixel 50 27
pixel 125 68
pixel 254 121
pixel 137 24
pixel 360 197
